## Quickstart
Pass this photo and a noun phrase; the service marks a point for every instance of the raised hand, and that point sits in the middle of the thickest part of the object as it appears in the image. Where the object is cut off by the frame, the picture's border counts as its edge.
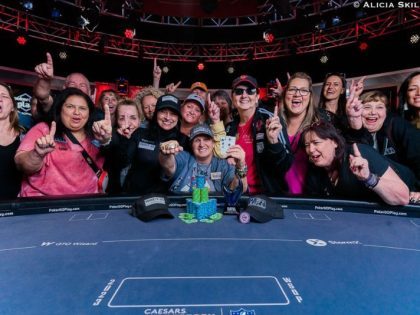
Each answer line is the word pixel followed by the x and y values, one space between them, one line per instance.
pixel 46 144
pixel 354 108
pixel 102 130
pixel 273 127
pixel 359 86
pixel 213 110
pixel 170 88
pixel 157 71
pixel 45 70
pixel 358 165
pixel 278 90
pixel 170 147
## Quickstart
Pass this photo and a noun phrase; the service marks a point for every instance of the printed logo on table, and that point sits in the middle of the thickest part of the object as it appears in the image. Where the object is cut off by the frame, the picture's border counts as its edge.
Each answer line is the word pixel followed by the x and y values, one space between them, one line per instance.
pixel 243 312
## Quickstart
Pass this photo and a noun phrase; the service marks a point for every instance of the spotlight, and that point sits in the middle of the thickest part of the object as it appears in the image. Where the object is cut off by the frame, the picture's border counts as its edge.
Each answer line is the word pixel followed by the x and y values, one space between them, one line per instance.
pixel 63 55
pixel 336 20
pixel 130 33
pixel 230 69
pixel 323 58
pixel 165 69
pixel 363 46
pixel 55 14
pixel 414 39
pixel 200 66
pixel 321 26
pixel 83 22
pixel 21 37
pixel 27 5
pixel 268 36
pixel 90 16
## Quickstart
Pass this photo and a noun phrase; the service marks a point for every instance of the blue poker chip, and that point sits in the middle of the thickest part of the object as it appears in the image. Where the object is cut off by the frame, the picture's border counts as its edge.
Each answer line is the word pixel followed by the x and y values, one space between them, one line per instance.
pixel 244 217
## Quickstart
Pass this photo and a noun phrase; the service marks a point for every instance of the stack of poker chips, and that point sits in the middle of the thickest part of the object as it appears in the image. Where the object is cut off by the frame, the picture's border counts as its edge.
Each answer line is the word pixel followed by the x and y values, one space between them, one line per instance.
pixel 200 205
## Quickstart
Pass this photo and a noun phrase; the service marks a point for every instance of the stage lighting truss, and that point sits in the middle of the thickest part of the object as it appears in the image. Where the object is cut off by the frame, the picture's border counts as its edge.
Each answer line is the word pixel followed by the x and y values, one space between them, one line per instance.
pixel 382 24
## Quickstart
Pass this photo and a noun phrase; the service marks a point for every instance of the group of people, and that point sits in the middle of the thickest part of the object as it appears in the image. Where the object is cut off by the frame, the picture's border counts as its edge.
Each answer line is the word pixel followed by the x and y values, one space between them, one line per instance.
pixel 350 145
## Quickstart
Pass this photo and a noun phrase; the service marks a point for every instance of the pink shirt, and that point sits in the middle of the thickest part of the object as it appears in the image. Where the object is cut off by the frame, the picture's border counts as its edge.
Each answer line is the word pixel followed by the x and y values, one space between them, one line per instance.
pixel 65 171
pixel 295 176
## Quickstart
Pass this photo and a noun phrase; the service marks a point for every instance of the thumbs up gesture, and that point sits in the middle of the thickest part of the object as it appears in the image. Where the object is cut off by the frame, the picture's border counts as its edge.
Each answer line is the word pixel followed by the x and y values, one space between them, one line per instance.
pixel 273 127
pixel 102 130
pixel 358 165
pixel 46 144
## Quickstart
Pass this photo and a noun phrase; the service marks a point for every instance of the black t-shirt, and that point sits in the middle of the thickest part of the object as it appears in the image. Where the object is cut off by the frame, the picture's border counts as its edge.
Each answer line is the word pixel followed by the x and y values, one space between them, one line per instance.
pixel 348 186
pixel 10 177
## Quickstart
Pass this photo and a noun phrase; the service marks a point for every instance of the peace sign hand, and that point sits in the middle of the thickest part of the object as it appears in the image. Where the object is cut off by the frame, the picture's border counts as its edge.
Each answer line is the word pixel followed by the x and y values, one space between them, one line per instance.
pixel 46 144
pixel 102 130
pixel 354 108
pixel 46 70
pixel 273 127
pixel 358 165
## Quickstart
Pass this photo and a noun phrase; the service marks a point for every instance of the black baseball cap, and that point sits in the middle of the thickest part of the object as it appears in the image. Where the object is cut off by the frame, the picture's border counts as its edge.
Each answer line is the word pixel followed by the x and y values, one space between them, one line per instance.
pixel 263 209
pixel 151 206
pixel 168 101
pixel 246 80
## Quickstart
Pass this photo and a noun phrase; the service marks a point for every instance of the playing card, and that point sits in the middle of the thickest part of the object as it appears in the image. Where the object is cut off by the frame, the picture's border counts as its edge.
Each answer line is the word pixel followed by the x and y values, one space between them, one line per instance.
pixel 226 143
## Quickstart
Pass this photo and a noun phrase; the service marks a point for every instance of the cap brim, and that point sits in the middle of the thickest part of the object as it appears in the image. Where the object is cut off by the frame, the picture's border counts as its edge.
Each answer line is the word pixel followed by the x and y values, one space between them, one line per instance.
pixel 150 215
pixel 246 82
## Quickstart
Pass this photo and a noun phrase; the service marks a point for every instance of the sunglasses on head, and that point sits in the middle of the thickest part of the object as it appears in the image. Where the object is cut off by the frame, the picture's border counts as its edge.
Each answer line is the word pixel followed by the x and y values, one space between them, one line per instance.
pixel 240 91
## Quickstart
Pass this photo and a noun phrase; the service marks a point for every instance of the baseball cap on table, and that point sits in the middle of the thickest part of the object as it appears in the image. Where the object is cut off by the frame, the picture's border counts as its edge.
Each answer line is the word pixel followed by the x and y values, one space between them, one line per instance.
pixel 263 209
pixel 151 206
pixel 199 85
pixel 168 101
pixel 196 99
pixel 245 79
pixel 200 129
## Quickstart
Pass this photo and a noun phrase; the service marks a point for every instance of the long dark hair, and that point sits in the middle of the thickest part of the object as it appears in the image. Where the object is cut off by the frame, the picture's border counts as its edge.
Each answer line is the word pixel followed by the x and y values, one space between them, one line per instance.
pixel 341 108
pixel 55 112
pixel 326 130
pixel 402 95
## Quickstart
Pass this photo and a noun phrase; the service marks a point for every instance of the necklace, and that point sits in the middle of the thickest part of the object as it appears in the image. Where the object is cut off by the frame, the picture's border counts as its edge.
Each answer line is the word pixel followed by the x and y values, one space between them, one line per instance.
pixel 333 176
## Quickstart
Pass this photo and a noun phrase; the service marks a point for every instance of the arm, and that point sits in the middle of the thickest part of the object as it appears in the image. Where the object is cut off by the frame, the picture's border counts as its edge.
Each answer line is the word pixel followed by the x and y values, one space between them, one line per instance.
pixel 157 73
pixel 216 126
pixel 30 162
pixel 167 157
pixel 238 154
pixel 42 87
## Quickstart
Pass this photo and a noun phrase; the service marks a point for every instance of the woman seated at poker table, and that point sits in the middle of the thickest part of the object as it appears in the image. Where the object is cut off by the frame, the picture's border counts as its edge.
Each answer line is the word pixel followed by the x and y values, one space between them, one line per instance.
pixel 50 157
pixel 181 168
pixel 141 148
pixel 356 172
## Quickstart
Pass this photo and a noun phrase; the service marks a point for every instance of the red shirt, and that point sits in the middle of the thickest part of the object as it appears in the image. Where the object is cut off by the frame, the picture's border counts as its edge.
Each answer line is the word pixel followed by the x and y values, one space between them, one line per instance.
pixel 245 139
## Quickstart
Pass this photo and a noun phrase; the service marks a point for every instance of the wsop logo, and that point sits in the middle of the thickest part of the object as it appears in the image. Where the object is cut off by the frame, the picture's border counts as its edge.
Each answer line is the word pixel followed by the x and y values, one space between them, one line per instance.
pixel 243 312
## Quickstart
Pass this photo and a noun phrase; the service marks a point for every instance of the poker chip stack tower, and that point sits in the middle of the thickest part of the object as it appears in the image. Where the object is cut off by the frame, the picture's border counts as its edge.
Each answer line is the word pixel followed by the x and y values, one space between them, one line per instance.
pixel 200 205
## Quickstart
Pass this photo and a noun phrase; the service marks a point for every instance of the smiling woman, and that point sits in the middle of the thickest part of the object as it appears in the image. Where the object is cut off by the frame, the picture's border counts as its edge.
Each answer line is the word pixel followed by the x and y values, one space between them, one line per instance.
pixel 52 155
pixel 356 172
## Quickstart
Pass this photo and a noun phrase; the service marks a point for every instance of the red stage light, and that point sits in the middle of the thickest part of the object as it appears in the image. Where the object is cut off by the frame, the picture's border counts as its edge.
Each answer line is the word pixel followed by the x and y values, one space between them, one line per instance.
pixel 200 66
pixel 363 46
pixel 268 37
pixel 21 40
pixel 129 33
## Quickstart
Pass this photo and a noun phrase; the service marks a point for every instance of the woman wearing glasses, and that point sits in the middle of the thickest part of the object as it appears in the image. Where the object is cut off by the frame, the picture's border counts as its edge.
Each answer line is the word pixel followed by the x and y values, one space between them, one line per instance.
pixel 10 132
pixel 298 112
pixel 350 172
pixel 261 136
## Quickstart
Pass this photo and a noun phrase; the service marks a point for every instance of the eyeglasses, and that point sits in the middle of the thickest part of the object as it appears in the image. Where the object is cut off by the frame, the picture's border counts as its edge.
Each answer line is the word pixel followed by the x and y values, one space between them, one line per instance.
pixel 303 92
pixel 249 91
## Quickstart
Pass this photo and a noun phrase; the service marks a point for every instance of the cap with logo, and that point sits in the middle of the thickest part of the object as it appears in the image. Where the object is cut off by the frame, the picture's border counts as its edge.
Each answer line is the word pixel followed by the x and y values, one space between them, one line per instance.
pixel 261 209
pixel 168 101
pixel 151 206
pixel 197 100
pixel 200 129
pixel 246 80
pixel 199 85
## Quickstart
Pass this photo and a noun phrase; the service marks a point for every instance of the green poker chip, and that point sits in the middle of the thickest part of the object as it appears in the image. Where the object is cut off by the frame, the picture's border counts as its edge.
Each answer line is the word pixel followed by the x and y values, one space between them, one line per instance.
pixel 206 221
pixel 187 216
pixel 217 216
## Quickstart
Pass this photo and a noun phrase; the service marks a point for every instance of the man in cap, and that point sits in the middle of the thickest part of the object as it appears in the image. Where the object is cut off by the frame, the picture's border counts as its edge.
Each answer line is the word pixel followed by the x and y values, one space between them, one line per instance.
pixel 200 89
pixel 182 168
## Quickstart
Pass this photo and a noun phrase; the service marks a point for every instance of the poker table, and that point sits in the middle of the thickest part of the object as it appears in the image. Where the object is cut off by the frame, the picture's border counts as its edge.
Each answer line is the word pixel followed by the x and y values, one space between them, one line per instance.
pixel 91 256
